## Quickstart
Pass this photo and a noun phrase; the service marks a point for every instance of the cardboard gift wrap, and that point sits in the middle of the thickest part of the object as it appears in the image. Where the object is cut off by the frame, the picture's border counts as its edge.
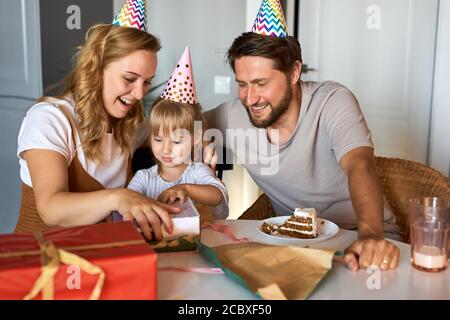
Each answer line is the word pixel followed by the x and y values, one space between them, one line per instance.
pixel 102 261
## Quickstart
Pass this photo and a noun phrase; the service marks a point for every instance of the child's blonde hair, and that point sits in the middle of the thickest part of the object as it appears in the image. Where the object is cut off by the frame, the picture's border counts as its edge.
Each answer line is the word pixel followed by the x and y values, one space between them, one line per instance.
pixel 170 115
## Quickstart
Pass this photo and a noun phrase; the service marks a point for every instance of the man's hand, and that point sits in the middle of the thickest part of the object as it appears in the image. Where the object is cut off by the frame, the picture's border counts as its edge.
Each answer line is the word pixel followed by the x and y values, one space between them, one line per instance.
pixel 171 195
pixel 369 251
pixel 367 200
pixel 210 155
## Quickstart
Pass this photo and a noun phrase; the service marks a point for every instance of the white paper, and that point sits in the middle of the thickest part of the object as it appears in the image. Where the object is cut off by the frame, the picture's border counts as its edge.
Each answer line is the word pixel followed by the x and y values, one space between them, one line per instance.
pixel 187 222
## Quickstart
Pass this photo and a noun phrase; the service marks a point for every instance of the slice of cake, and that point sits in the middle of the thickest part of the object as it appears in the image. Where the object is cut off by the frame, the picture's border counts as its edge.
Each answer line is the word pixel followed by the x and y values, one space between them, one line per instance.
pixel 303 225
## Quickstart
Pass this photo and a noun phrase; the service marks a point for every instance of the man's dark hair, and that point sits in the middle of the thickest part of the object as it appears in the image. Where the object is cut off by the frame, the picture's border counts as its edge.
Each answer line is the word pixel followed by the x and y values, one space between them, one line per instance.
pixel 283 51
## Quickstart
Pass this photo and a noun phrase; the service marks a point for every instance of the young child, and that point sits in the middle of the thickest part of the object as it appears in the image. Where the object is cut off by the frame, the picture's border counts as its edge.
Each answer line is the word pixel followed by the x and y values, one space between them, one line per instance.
pixel 173 139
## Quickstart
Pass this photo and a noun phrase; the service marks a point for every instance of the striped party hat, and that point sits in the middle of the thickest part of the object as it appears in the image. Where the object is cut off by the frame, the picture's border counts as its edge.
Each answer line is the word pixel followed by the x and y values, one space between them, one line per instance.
pixel 270 20
pixel 133 14
pixel 181 86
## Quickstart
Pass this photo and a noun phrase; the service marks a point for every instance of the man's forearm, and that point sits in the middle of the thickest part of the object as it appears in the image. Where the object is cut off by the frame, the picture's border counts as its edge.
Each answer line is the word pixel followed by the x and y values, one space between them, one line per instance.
pixel 367 200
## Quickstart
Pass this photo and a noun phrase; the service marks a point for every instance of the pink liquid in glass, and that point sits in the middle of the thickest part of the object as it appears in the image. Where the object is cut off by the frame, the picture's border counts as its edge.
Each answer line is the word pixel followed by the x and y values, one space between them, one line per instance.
pixel 429 258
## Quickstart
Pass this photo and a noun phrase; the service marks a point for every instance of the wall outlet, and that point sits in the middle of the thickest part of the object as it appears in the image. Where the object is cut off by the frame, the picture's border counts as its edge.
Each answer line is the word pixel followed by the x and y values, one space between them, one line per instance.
pixel 222 85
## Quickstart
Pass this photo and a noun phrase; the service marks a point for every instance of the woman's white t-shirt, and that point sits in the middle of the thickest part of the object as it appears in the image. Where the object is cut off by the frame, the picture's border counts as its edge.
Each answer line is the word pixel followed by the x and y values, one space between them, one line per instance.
pixel 45 126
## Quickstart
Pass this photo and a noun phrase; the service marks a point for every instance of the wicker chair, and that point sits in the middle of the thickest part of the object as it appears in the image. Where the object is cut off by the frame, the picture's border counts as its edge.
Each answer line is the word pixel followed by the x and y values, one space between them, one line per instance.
pixel 400 180
pixel 261 209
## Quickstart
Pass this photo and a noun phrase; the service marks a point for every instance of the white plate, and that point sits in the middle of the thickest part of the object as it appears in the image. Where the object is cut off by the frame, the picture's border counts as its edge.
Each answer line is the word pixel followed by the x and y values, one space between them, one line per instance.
pixel 326 230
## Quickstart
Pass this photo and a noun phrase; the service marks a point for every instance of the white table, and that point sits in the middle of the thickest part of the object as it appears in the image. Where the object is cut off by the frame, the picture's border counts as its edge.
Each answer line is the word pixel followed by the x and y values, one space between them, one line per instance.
pixel 405 282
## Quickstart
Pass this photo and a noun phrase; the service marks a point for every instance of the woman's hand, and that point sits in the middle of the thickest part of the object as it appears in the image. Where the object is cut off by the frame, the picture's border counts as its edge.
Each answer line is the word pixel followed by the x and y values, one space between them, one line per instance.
pixel 171 195
pixel 146 211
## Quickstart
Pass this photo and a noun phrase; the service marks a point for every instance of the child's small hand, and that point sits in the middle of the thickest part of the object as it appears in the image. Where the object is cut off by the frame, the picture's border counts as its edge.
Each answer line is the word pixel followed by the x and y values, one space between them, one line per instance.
pixel 171 195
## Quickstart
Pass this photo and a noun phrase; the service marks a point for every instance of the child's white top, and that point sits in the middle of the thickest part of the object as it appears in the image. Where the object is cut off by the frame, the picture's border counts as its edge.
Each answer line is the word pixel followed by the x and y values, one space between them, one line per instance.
pixel 148 182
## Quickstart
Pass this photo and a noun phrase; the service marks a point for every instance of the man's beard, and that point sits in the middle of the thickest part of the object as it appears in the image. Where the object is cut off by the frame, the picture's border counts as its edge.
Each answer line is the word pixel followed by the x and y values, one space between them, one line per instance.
pixel 275 113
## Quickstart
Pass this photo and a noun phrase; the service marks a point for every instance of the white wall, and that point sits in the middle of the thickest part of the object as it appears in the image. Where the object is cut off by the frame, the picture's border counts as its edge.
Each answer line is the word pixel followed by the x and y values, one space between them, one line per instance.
pixel 208 27
pixel 252 8
pixel 439 156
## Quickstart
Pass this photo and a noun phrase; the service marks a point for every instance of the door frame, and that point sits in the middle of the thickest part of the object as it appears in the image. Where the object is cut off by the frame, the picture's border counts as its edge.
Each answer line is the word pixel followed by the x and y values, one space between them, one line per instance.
pixel 438 139
pixel 439 143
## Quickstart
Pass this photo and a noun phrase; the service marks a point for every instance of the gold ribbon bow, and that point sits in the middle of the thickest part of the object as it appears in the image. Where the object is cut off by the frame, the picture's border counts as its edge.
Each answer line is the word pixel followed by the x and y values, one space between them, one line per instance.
pixel 52 258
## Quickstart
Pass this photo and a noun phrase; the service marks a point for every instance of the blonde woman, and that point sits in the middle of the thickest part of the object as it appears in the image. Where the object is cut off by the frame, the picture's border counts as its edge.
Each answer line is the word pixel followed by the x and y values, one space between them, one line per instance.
pixel 75 149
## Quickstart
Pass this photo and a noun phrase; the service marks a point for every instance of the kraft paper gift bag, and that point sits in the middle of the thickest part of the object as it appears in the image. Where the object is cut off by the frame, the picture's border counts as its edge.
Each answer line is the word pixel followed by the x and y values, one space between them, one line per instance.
pixel 272 272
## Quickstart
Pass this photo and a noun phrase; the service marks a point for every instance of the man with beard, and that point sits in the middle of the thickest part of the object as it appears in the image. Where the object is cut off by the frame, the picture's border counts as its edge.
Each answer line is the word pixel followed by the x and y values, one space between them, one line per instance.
pixel 324 149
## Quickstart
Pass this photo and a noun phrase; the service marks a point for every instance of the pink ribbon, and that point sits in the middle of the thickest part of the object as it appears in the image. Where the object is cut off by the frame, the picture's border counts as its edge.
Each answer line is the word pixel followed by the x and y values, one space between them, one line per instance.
pixel 339 260
pixel 221 228
pixel 224 229
pixel 196 270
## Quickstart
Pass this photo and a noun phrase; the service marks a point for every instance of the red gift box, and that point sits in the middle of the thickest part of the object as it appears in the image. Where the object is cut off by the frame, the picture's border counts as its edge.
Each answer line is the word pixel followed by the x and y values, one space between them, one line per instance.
pixel 110 261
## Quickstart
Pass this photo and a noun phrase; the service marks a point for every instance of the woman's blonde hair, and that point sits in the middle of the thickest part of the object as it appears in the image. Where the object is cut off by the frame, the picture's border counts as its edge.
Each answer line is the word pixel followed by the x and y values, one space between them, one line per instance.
pixel 104 44
pixel 170 115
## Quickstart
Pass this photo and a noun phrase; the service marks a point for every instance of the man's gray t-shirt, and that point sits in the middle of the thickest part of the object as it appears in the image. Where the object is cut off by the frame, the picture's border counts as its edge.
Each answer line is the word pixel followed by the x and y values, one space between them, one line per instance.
pixel 304 171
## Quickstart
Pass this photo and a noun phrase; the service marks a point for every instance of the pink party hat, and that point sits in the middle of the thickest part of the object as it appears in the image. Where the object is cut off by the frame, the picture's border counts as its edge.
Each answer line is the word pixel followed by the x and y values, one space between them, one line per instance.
pixel 181 86
pixel 270 20
pixel 133 14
